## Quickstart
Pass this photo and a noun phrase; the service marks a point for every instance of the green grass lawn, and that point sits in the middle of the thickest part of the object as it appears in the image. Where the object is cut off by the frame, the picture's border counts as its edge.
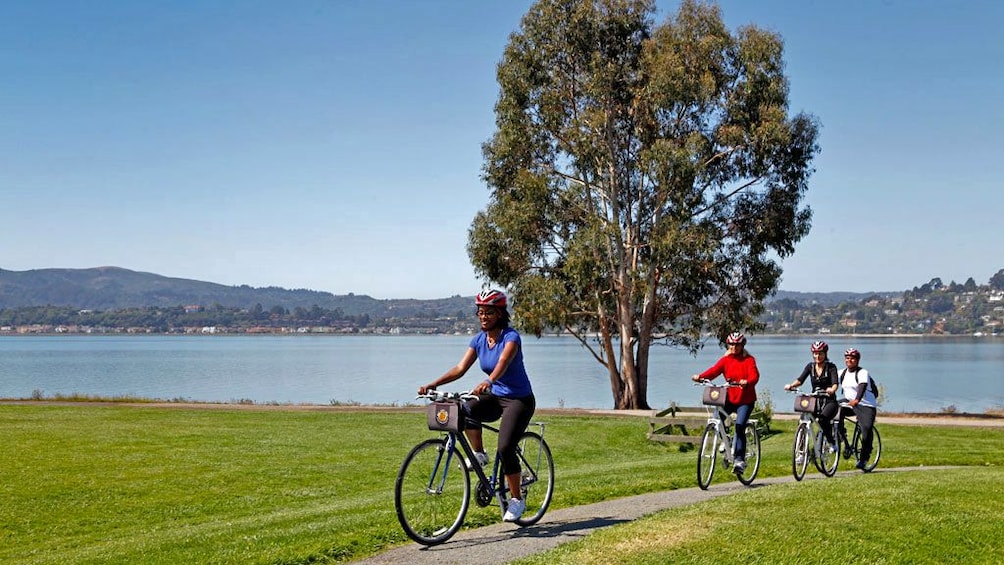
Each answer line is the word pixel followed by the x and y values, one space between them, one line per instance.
pixel 90 483
pixel 936 517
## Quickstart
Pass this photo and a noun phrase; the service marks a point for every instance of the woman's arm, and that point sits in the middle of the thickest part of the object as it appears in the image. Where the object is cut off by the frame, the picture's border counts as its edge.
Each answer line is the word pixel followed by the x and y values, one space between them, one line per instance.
pixel 801 378
pixel 711 372
pixel 453 373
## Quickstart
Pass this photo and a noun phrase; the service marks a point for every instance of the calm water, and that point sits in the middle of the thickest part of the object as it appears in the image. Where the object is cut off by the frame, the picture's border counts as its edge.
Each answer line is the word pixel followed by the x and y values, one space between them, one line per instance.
pixel 919 374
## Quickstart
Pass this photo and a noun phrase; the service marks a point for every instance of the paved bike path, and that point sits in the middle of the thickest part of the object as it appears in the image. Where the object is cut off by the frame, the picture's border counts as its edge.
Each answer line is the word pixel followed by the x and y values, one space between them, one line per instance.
pixel 502 543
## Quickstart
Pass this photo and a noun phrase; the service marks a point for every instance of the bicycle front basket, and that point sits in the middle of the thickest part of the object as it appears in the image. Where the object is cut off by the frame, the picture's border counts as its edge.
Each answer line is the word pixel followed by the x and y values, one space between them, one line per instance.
pixel 714 396
pixel 445 417
pixel 805 403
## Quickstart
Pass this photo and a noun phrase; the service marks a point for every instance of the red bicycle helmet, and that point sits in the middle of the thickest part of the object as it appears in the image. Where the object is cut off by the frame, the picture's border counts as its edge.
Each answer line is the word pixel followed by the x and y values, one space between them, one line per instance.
pixel 819 347
pixel 851 352
pixel 736 338
pixel 490 298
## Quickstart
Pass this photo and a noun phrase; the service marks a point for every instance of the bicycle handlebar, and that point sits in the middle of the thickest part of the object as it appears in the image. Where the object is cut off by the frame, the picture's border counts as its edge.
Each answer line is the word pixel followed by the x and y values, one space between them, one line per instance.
pixel 443 395
pixel 816 393
pixel 707 382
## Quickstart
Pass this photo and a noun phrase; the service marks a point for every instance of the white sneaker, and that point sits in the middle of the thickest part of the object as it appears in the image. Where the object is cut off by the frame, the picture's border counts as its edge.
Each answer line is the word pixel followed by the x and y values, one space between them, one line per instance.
pixel 480 456
pixel 514 510
pixel 739 467
pixel 799 459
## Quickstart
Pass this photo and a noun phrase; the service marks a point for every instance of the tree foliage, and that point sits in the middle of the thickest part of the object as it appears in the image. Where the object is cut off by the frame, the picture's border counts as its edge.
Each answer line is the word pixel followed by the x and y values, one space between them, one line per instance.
pixel 644 179
pixel 997 281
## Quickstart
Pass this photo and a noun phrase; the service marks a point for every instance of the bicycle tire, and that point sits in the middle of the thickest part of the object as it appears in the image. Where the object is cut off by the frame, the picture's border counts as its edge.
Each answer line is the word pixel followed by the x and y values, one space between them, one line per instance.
pixel 827 455
pixel 876 454
pixel 800 451
pixel 432 494
pixel 706 457
pixel 536 477
pixel 752 455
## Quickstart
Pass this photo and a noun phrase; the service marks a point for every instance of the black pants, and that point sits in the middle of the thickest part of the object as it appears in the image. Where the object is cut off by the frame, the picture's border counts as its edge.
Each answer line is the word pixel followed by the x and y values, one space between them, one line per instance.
pixel 866 422
pixel 824 417
pixel 515 414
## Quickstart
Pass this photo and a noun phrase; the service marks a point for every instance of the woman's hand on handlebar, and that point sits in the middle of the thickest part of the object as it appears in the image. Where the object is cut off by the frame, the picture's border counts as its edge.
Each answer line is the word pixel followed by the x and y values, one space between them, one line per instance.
pixel 426 388
pixel 696 378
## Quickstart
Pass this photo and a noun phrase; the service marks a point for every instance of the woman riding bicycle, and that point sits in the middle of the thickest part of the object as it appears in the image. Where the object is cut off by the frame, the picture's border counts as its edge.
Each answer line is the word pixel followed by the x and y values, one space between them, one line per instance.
pixel 739 368
pixel 505 394
pixel 824 379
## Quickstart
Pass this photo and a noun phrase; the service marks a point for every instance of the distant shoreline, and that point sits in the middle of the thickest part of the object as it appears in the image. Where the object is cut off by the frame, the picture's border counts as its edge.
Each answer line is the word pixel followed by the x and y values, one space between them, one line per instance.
pixel 989 418
pixel 366 334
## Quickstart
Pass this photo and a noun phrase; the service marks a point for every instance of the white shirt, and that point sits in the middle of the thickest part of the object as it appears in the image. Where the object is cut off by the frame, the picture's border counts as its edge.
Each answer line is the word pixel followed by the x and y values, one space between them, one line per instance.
pixel 849 385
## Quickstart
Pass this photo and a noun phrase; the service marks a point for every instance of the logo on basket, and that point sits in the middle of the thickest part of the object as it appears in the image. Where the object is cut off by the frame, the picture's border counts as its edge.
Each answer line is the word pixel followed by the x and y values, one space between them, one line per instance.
pixel 442 416
pixel 804 403
pixel 714 394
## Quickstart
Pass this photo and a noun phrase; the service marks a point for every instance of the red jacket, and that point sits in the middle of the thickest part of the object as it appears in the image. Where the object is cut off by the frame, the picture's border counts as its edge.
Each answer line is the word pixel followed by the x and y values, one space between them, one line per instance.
pixel 736 369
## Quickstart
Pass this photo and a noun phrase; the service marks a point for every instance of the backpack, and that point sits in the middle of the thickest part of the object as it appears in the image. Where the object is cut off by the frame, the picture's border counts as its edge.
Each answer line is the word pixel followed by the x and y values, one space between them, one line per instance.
pixel 871 381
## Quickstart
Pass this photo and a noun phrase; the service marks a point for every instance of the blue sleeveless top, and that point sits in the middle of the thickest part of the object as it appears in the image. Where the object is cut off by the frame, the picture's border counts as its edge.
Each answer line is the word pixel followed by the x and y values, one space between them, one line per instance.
pixel 514 383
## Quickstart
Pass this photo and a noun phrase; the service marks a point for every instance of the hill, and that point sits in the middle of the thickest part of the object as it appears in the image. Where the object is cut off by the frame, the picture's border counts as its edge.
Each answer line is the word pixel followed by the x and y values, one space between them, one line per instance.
pixel 114 288
pixel 113 298
pixel 827 298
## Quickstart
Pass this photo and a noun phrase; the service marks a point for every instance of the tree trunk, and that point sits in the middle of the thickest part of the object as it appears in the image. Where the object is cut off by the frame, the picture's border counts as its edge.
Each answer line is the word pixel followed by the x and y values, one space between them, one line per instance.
pixel 608 350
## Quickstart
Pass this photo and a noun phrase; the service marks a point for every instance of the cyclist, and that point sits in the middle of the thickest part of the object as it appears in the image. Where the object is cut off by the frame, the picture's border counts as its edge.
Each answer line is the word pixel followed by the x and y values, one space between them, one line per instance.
pixel 739 368
pixel 824 379
pixel 505 394
pixel 856 385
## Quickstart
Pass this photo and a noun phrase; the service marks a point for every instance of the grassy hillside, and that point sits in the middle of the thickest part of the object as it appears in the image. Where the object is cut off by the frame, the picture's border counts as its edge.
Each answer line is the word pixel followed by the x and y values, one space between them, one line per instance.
pixel 113 288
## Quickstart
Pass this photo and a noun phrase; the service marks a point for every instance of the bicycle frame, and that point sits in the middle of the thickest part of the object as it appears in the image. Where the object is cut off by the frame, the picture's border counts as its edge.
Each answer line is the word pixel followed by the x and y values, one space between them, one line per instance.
pixel 433 489
pixel 494 483
pixel 719 437
pixel 722 421
pixel 810 442
pixel 846 414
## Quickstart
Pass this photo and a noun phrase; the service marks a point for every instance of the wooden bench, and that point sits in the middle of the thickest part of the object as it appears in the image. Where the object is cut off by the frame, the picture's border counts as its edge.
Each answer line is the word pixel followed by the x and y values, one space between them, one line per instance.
pixel 685 424
pixel 675 424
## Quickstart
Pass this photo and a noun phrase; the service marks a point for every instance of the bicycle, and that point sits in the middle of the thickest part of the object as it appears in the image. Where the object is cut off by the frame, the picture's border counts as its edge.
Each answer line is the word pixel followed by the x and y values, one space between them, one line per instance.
pixel 433 489
pixel 810 441
pixel 718 438
pixel 852 449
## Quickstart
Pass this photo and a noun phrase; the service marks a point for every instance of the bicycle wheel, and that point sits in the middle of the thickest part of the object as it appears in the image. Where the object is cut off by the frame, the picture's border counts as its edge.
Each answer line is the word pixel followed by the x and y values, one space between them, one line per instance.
pixel 431 495
pixel 536 478
pixel 800 451
pixel 876 454
pixel 827 455
pixel 706 457
pixel 752 455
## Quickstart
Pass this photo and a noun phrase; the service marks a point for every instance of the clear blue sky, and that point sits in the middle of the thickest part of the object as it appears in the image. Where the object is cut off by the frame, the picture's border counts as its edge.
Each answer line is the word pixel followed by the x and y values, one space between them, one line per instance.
pixel 335 145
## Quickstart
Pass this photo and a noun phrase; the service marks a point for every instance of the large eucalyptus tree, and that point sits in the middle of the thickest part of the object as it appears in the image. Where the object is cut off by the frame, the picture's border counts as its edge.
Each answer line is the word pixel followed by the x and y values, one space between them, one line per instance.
pixel 645 180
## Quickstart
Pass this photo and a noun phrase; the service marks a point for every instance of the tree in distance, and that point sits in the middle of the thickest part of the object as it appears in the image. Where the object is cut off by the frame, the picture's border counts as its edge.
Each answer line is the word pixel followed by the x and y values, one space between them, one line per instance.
pixel 644 179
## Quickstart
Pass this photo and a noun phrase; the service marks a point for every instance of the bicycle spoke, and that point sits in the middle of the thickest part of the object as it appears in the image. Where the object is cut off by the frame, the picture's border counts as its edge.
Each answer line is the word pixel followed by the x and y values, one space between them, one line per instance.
pixel 827 455
pixel 800 451
pixel 706 456
pixel 431 494
pixel 536 477
pixel 752 455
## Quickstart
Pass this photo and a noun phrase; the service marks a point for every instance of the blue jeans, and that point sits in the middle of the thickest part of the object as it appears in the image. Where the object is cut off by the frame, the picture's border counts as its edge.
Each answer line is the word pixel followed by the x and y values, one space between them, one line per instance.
pixel 743 412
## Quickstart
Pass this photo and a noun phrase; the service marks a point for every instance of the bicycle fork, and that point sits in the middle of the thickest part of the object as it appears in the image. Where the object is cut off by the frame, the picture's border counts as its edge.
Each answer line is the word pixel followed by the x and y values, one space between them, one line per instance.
pixel 437 478
pixel 724 442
